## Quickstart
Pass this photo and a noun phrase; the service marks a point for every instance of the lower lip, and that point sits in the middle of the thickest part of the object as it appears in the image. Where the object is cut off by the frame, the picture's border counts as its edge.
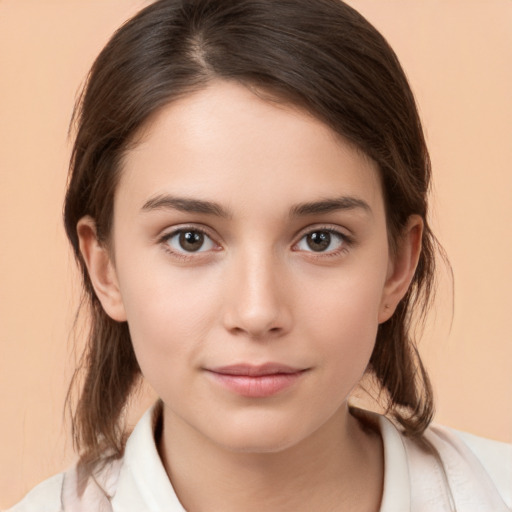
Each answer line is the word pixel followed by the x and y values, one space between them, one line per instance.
pixel 257 386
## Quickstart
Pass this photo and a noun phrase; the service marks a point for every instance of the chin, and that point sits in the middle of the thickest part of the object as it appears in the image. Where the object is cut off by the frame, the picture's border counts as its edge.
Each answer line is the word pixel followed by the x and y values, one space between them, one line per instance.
pixel 260 435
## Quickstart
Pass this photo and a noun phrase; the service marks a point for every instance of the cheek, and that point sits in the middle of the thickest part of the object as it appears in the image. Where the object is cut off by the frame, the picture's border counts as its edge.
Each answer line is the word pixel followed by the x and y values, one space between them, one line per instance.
pixel 349 335
pixel 343 317
pixel 347 300
pixel 169 312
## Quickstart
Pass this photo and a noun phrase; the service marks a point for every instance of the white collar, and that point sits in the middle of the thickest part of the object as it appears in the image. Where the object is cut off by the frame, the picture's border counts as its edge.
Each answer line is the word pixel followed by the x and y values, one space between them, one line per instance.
pixel 143 483
pixel 396 496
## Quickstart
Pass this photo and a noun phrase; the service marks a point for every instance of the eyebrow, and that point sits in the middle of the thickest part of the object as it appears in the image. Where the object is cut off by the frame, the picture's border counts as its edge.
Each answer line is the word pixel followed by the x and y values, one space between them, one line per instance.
pixel 183 204
pixel 330 205
pixel 188 205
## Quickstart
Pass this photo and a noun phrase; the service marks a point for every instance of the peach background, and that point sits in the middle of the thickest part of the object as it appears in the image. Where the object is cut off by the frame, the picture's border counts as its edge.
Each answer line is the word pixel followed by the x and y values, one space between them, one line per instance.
pixel 458 55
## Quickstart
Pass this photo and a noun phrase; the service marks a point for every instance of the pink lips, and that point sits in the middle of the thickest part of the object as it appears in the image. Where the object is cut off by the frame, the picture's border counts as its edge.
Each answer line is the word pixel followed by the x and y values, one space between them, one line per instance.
pixel 256 381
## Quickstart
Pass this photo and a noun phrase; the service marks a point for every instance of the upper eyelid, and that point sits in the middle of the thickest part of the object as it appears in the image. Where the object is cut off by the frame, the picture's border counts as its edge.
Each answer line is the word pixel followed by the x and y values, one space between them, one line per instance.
pixel 343 232
pixel 172 231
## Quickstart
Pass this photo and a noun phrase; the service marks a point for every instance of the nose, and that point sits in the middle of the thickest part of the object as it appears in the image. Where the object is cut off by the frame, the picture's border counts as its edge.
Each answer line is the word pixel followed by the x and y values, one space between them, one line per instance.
pixel 256 303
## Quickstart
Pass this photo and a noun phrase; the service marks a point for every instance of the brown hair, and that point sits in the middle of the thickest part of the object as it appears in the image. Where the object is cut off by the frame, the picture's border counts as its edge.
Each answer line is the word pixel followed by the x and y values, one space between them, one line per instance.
pixel 318 54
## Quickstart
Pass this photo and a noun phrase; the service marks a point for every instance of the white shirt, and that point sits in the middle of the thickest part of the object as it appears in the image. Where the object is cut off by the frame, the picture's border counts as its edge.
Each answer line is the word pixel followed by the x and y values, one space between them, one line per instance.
pixel 449 471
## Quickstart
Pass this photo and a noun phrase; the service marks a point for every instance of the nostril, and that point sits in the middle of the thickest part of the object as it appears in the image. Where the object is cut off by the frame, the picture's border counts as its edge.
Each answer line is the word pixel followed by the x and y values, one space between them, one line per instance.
pixel 257 332
pixel 257 312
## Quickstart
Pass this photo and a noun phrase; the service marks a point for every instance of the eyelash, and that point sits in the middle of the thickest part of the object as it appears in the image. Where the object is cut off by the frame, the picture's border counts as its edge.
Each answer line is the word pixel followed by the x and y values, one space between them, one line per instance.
pixel 345 241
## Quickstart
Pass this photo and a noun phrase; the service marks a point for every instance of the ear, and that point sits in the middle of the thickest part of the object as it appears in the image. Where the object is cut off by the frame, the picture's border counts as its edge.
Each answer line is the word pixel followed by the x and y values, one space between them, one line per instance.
pixel 101 269
pixel 401 267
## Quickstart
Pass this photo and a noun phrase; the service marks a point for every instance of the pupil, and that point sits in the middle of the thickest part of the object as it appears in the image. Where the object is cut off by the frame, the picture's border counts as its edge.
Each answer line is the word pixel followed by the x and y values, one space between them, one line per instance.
pixel 191 240
pixel 319 240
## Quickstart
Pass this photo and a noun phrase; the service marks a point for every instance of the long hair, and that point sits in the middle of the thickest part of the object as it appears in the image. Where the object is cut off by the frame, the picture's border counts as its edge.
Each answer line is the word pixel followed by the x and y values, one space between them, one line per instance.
pixel 320 55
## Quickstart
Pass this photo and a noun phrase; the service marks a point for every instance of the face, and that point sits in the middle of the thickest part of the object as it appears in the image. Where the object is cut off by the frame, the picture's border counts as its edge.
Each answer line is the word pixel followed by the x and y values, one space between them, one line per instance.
pixel 250 258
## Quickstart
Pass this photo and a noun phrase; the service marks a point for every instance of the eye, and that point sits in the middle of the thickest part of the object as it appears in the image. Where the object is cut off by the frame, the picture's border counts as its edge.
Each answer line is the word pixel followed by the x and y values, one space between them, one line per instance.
pixel 322 240
pixel 189 240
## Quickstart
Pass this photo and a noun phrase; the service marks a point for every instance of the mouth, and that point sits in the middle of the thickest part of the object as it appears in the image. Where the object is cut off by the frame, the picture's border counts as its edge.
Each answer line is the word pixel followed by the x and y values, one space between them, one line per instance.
pixel 256 381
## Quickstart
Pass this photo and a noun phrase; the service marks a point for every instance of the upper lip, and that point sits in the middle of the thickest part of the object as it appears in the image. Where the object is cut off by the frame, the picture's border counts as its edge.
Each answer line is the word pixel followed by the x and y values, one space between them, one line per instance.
pixel 252 370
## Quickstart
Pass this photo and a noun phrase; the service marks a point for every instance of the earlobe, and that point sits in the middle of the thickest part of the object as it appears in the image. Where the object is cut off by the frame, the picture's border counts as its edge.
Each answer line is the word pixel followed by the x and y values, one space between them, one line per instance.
pixel 402 267
pixel 101 269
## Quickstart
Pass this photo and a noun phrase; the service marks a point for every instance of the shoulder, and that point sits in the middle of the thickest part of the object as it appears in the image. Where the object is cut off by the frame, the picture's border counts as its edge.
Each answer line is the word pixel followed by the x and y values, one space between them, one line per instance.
pixel 495 457
pixel 473 469
pixel 86 491
pixel 60 493
pixel 45 496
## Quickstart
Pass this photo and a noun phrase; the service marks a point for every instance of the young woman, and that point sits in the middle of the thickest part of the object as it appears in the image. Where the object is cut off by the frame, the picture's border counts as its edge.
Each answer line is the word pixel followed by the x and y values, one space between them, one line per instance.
pixel 248 205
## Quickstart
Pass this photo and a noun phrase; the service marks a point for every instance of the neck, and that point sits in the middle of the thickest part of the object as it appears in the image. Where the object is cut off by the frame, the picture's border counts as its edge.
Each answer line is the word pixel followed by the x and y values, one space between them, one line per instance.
pixel 338 467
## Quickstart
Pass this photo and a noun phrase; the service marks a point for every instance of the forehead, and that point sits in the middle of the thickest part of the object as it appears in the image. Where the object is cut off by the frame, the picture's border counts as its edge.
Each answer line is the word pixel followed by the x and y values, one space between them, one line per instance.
pixel 225 141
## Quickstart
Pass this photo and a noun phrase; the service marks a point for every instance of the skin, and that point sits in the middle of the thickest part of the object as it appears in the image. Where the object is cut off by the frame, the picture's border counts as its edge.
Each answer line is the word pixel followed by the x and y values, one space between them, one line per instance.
pixel 254 292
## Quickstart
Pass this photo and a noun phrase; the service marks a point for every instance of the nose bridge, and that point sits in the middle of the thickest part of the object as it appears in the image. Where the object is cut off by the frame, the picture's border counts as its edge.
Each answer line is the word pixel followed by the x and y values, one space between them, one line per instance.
pixel 256 303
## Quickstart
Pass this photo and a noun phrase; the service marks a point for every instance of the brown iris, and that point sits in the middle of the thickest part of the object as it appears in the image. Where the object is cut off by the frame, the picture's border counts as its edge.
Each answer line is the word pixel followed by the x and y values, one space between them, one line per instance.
pixel 191 241
pixel 318 240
